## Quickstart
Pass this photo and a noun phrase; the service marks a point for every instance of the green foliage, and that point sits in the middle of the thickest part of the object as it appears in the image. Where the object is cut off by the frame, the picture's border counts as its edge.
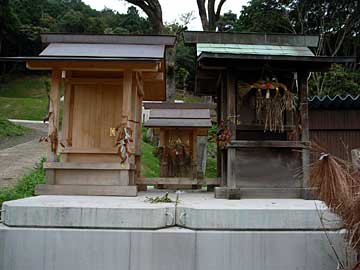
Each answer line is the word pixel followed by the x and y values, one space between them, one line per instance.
pixel 24 97
pixel 338 81
pixel 160 199
pixel 150 166
pixel 211 161
pixel 25 187
pixel 23 108
pixel 22 86
pixel 8 129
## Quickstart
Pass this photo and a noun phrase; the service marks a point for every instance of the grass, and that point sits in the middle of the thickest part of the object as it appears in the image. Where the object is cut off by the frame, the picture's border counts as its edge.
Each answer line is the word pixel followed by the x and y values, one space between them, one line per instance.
pixel 23 108
pixel 8 129
pixel 25 187
pixel 23 97
pixel 150 165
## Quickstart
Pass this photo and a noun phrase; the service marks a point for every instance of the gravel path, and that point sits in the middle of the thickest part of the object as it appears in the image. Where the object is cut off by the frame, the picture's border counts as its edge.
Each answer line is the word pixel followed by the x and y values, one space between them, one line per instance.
pixel 18 159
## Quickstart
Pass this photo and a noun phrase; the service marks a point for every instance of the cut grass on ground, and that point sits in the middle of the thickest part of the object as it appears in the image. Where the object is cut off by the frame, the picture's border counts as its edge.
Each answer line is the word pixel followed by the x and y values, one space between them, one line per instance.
pixel 8 129
pixel 25 187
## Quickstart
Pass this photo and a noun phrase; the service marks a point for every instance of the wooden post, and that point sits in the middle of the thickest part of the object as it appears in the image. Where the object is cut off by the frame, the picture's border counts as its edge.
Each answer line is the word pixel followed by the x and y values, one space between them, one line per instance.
pixel 127 88
pixel 223 116
pixel 304 116
pixel 54 110
pixel 231 110
pixel 53 130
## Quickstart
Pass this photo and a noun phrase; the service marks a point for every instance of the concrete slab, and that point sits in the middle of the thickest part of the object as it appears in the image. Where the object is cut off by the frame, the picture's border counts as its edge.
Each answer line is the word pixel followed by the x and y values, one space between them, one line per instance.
pixel 195 210
pixel 202 211
pixel 166 249
pixel 88 212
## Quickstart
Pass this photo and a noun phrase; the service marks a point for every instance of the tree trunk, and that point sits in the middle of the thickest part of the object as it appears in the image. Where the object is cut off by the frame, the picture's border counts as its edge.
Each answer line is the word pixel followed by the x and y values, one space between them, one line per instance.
pixel 152 9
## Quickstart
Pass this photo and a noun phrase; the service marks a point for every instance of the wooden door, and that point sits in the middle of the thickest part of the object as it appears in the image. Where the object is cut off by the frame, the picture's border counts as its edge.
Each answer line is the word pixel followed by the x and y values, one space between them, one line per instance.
pixel 94 109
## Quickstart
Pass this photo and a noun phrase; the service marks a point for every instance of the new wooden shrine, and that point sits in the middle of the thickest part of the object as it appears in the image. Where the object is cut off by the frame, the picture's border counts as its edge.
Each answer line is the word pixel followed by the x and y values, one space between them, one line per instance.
pixel 105 79
pixel 260 83
pixel 178 125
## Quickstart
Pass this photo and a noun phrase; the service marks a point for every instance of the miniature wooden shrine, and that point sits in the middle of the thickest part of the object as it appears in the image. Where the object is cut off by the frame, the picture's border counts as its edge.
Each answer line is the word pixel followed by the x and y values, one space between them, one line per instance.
pixel 260 83
pixel 178 125
pixel 105 79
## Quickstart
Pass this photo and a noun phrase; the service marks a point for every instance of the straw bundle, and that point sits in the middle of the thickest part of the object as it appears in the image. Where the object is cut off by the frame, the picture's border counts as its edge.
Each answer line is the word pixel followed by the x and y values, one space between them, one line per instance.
pixel 332 182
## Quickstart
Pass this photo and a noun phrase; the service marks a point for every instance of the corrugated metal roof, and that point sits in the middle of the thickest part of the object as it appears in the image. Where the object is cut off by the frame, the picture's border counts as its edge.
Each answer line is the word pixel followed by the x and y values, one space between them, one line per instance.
pixel 336 102
pixel 253 49
pixel 104 50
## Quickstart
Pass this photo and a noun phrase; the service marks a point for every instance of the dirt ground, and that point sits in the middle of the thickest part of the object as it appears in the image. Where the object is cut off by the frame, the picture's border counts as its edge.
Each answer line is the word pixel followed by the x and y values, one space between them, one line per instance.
pixel 20 154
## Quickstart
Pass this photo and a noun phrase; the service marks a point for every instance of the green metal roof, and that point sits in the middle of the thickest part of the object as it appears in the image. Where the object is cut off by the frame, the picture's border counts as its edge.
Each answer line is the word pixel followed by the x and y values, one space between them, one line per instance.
pixel 253 49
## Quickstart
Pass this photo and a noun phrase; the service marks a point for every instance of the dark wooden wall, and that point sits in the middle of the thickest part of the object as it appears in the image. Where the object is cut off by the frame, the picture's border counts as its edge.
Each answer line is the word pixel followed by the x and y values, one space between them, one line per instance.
pixel 336 130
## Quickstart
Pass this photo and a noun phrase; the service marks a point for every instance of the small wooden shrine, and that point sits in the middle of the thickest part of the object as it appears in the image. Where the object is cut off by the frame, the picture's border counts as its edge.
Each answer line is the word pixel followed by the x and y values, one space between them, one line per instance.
pixel 105 79
pixel 178 125
pixel 260 83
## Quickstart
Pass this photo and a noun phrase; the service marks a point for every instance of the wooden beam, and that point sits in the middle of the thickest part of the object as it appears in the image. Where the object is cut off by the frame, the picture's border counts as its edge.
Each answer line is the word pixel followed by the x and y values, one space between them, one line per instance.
pixel 89 190
pixel 145 66
pixel 93 81
pixel 269 144
pixel 177 181
pixel 153 76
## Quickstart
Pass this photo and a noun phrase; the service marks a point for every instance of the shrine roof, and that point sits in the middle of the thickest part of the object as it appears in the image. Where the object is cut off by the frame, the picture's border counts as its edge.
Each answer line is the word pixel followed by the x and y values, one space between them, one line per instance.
pixel 180 115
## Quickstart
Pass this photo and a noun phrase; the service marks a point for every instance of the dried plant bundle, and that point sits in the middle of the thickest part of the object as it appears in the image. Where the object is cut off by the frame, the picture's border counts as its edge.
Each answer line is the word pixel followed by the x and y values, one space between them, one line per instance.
pixel 332 181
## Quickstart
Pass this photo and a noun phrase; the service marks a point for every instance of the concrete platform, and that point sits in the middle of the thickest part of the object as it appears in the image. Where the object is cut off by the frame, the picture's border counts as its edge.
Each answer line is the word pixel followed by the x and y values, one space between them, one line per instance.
pixel 166 249
pixel 195 210
pixel 88 212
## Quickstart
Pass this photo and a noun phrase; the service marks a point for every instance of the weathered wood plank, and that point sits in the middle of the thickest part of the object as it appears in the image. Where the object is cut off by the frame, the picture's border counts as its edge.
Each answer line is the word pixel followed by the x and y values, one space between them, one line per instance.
pixel 177 181
pixel 146 66
pixel 88 166
pixel 89 190
pixel 269 144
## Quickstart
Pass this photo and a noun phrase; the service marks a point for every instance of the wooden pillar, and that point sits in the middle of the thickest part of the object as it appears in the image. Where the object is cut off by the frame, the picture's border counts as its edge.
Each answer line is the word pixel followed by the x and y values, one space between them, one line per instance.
pixel 231 110
pixel 223 116
pixel 127 89
pixel 304 114
pixel 54 111
pixel 54 116
pixel 139 99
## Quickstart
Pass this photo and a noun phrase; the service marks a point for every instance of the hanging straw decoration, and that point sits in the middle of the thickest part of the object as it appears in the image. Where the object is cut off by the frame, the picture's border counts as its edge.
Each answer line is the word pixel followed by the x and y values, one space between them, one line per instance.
pixel 273 104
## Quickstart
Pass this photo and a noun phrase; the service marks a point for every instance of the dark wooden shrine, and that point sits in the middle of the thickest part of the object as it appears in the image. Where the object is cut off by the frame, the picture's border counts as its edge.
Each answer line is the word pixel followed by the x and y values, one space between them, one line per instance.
pixel 178 125
pixel 260 83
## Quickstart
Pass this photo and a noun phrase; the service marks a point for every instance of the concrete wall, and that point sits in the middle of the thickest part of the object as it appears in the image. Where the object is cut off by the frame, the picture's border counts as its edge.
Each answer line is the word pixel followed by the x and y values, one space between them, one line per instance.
pixel 167 249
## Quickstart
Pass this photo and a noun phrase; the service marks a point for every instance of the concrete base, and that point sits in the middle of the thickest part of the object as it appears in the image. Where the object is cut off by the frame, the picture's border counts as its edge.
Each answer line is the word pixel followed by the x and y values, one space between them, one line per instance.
pixel 195 210
pixel 173 248
pixel 199 233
